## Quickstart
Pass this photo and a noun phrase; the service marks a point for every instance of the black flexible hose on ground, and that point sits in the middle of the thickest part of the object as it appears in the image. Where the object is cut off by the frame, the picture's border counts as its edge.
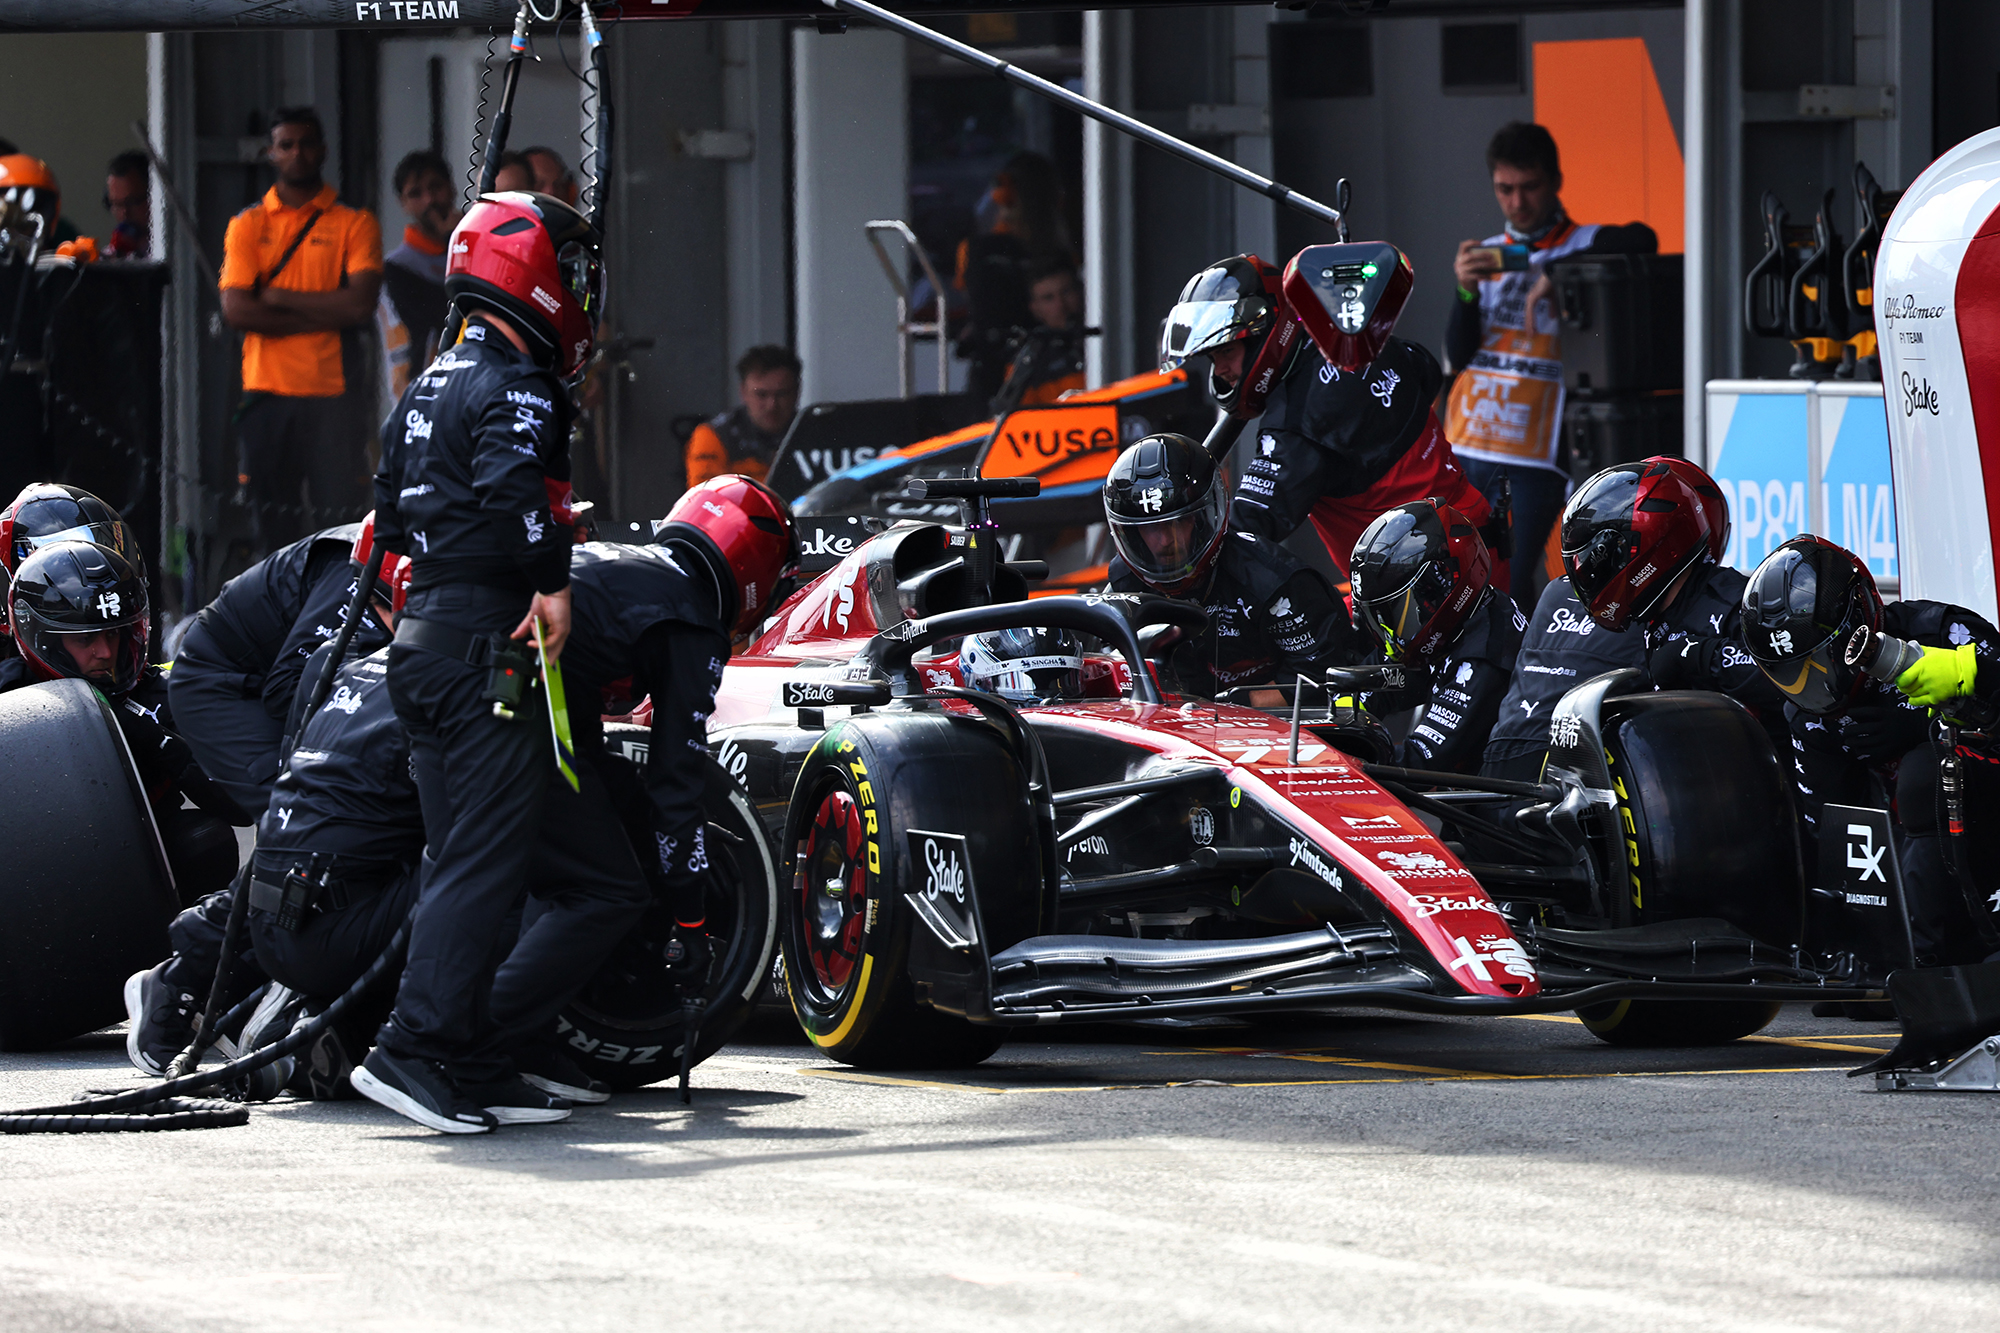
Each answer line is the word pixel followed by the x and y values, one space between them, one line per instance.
pixel 163 1106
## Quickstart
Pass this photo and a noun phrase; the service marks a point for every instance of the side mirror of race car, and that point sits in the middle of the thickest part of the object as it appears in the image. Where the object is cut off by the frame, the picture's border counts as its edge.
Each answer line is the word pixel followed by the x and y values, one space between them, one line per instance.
pixel 1349 297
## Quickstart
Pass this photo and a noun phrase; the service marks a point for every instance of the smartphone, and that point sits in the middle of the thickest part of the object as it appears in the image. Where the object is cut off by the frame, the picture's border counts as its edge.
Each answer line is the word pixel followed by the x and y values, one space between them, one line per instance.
pixel 1504 258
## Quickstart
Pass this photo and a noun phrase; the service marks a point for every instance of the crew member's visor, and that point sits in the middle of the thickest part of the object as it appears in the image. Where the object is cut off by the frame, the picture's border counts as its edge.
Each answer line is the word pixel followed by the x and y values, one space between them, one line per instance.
pixel 1197 327
pixel 1818 680
pixel 1401 595
pixel 1168 550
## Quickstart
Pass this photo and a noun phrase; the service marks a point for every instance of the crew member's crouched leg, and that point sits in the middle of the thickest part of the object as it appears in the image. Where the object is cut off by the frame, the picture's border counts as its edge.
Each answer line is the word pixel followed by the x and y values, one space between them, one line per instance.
pixel 161 1003
pixel 338 941
pixel 586 892
pixel 482 779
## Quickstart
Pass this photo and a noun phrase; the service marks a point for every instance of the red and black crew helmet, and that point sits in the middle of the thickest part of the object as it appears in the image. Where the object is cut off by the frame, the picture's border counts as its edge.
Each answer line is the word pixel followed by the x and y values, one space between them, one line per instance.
pixel 535 260
pixel 741 532
pixel 1799 607
pixel 1167 511
pixel 1238 299
pixel 392 585
pixel 45 512
pixel 66 597
pixel 1631 530
pixel 1418 574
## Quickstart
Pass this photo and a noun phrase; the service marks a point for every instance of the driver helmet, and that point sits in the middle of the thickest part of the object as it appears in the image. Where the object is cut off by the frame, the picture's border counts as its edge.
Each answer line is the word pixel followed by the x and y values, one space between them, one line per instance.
pixel 1631 530
pixel 1238 299
pixel 392 585
pixel 1036 664
pixel 1799 607
pixel 68 595
pixel 534 260
pixel 740 531
pixel 1418 574
pixel 28 183
pixel 1166 511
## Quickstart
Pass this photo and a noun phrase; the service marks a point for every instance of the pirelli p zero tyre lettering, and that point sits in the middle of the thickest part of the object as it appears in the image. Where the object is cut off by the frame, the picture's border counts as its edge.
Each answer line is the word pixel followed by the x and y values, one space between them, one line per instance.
pixel 85 891
pixel 846 934
pixel 626 1026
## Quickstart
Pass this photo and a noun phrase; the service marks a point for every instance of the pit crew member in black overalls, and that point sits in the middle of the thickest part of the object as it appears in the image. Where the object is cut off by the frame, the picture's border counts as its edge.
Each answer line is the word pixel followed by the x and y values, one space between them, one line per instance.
pixel 1562 648
pixel 1423 591
pixel 1270 618
pixel 45 513
pixel 1849 731
pixel 1335 447
pixel 80 610
pixel 656 622
pixel 345 816
pixel 241 661
pixel 474 461
pixel 1642 544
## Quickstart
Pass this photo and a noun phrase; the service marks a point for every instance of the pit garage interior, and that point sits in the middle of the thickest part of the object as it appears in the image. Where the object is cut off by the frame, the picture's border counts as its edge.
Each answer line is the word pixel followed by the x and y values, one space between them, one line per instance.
pixel 748 154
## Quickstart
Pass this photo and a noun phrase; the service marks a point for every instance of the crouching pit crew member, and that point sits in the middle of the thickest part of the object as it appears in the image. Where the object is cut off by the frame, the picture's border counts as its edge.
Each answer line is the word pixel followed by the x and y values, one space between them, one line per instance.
pixel 79 610
pixel 242 658
pixel 1423 590
pixel 1562 648
pixel 656 622
pixel 1642 544
pixel 1270 618
pixel 1800 607
pixel 471 457
pixel 1337 447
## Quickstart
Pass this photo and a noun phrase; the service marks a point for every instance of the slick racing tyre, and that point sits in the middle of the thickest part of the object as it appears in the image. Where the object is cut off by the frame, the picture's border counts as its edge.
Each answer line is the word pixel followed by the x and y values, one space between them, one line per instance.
pixel 85 891
pixel 1676 1022
pixel 626 1027
pixel 846 930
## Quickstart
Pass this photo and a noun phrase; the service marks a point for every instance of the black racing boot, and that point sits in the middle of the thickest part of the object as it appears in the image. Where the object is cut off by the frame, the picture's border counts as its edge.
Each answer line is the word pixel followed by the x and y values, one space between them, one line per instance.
pixel 162 1020
pixel 514 1101
pixel 422 1091
pixel 549 1068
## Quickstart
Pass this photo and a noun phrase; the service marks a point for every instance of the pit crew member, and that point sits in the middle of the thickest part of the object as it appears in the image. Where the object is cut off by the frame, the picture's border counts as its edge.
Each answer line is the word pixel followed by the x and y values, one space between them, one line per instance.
pixel 1562 648
pixel 241 661
pixel 1423 591
pixel 1270 618
pixel 1642 544
pixel 79 610
pixel 474 466
pixel 656 621
pixel 1800 605
pixel 1336 447
pixel 45 512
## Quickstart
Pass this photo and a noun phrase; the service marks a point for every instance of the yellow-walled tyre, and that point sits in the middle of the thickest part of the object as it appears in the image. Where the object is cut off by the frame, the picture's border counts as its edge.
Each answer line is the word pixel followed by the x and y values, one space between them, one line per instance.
pixel 1676 1022
pixel 845 937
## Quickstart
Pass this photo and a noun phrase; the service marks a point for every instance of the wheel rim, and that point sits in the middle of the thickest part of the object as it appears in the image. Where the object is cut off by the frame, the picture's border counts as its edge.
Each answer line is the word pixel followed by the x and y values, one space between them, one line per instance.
pixel 831 888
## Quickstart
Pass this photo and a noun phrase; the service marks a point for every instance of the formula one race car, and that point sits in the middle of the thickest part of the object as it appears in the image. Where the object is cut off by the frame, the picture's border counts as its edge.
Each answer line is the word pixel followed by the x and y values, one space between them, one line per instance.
pixel 1067 445
pixel 960 865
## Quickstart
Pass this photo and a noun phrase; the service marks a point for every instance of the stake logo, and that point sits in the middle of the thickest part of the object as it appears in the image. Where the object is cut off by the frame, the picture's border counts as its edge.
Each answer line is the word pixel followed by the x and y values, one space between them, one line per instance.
pixel 946 872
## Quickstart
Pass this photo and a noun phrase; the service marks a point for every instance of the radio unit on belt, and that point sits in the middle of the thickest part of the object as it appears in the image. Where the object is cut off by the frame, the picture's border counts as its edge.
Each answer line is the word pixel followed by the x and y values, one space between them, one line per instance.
pixel 510 669
pixel 295 893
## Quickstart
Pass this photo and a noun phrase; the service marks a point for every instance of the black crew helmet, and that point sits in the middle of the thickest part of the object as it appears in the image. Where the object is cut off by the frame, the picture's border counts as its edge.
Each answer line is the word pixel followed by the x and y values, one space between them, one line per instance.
pixel 1166 511
pixel 74 589
pixel 1799 607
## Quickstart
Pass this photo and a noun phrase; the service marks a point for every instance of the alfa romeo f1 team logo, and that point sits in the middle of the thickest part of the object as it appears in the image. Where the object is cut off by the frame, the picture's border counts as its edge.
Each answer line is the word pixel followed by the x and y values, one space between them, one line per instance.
pixel 108 604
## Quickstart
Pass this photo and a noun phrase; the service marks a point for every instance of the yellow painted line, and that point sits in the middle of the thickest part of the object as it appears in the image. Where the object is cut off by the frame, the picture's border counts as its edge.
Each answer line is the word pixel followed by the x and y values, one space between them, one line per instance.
pixel 1817 1044
pixel 1547 1018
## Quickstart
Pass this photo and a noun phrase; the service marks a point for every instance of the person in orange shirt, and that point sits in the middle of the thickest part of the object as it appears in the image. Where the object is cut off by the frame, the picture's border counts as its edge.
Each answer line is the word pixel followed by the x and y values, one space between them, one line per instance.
pixel 297 268
pixel 746 438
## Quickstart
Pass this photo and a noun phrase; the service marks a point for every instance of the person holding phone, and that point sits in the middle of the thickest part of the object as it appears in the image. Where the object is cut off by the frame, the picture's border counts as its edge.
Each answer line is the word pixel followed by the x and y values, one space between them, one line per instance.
pixel 1504 414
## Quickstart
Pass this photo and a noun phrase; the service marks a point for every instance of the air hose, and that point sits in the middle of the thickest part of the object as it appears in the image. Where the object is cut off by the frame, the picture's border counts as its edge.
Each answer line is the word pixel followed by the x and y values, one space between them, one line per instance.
pixel 166 1105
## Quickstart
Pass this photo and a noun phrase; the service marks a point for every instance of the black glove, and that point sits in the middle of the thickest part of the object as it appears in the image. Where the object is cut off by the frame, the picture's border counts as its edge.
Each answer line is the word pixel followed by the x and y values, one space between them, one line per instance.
pixel 1881 732
pixel 167 766
pixel 1680 663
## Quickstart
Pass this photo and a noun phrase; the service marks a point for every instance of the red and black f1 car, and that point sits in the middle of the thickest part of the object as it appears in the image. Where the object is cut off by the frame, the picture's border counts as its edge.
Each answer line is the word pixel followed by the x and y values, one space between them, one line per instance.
pixel 959 866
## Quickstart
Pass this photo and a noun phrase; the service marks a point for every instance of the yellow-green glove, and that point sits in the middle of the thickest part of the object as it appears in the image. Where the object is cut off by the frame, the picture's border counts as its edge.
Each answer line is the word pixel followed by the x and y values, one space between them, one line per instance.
pixel 1940 675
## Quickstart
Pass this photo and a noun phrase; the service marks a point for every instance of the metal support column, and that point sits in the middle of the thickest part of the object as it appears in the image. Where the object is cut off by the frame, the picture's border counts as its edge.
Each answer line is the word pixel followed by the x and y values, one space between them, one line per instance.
pixel 1107 197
